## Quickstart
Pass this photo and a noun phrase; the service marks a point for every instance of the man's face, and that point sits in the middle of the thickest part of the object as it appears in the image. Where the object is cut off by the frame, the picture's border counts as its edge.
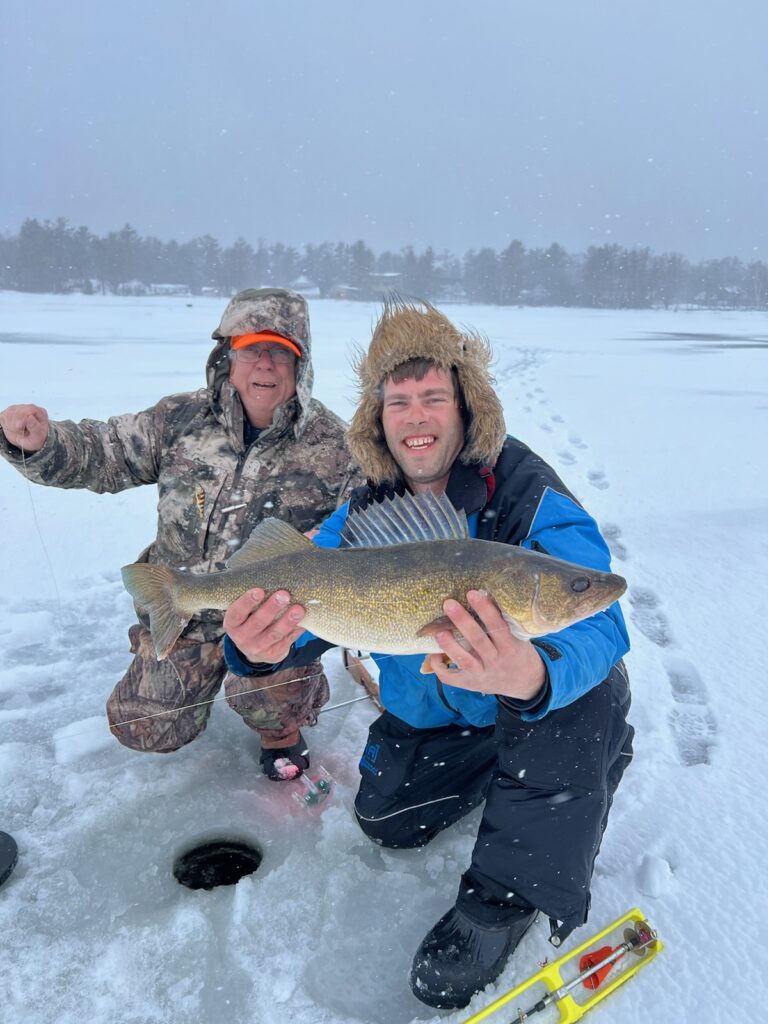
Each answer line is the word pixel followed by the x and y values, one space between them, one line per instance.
pixel 262 383
pixel 423 428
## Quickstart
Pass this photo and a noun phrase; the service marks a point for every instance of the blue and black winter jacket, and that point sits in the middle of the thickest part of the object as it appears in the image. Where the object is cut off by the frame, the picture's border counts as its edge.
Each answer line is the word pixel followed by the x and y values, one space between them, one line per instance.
pixel 521 501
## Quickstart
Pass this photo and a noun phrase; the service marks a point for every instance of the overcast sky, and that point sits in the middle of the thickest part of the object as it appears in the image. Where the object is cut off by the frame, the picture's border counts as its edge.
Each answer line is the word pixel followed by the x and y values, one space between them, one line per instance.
pixel 426 122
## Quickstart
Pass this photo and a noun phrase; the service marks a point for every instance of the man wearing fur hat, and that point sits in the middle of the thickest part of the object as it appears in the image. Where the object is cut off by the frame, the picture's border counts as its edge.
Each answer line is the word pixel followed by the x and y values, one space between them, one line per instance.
pixel 536 731
pixel 252 444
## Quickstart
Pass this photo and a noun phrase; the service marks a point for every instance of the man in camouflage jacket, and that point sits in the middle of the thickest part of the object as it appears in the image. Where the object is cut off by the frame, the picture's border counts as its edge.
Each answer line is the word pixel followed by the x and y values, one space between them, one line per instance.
pixel 252 444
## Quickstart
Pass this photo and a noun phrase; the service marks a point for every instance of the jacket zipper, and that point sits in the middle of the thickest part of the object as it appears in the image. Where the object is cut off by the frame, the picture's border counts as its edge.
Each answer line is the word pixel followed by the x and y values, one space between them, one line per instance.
pixel 443 698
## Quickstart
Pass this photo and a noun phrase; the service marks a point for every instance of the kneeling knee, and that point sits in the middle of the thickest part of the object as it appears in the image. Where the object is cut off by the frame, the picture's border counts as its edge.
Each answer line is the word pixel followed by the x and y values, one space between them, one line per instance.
pixel 142 735
pixel 393 835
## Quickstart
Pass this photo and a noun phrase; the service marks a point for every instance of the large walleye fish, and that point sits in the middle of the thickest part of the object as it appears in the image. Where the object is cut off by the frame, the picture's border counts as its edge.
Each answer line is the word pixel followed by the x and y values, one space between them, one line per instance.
pixel 384 592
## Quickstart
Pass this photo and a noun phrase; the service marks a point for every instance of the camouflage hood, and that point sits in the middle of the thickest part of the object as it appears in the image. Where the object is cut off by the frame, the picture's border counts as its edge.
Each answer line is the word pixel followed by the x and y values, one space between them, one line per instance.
pixel 261 309
pixel 409 330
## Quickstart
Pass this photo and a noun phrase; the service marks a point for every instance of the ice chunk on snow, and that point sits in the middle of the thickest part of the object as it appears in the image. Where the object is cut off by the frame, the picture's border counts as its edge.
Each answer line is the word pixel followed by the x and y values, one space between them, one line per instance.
pixel 654 875
pixel 86 736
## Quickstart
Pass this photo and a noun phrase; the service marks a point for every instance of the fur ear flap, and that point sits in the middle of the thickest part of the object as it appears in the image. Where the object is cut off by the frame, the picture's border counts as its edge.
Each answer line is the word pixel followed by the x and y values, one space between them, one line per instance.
pixel 409 330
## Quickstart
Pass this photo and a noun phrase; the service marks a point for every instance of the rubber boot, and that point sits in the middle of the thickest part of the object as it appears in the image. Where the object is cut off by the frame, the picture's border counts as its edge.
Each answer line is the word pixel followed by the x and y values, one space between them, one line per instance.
pixel 459 957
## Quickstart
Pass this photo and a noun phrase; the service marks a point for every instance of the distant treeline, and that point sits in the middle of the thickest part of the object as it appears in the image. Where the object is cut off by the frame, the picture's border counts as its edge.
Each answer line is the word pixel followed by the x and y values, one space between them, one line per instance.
pixel 56 257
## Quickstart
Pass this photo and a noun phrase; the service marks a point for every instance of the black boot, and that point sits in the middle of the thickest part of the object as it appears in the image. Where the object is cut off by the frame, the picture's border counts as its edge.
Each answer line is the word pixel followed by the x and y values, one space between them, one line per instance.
pixel 460 957
pixel 283 764
pixel 9 854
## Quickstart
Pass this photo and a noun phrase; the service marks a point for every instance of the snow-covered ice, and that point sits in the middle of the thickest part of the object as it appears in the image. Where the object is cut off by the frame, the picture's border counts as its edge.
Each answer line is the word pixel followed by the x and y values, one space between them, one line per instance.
pixel 655 419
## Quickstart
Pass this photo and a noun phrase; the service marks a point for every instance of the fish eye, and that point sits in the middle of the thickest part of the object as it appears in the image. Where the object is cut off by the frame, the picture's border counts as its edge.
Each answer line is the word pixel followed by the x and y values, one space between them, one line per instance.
pixel 579 584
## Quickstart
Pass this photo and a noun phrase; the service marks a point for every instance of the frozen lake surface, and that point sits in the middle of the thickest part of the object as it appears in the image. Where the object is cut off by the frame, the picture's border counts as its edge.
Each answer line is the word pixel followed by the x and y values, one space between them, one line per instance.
pixel 656 420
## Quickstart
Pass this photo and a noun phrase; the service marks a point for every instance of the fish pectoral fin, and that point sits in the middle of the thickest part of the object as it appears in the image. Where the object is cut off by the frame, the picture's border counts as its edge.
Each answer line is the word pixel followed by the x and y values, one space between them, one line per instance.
pixel 270 538
pixel 437 625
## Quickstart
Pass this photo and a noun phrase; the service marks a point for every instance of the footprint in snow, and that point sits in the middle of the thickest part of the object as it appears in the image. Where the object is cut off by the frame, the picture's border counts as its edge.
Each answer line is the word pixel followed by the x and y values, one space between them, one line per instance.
pixel 691 721
pixel 612 533
pixel 597 478
pixel 576 441
pixel 546 427
pixel 687 685
pixel 648 617
pixel 566 457
pixel 694 731
pixel 693 724
pixel 557 419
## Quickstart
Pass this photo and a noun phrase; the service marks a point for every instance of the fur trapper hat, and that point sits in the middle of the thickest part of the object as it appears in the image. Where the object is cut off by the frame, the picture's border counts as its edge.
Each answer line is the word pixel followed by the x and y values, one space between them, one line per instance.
pixel 416 330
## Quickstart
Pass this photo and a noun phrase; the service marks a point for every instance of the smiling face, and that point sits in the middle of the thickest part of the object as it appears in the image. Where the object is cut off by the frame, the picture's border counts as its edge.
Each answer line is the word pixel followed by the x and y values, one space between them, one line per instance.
pixel 262 384
pixel 423 428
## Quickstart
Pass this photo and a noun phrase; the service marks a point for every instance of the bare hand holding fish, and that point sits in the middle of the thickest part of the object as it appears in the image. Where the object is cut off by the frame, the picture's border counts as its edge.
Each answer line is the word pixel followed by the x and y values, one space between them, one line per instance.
pixel 491 659
pixel 264 630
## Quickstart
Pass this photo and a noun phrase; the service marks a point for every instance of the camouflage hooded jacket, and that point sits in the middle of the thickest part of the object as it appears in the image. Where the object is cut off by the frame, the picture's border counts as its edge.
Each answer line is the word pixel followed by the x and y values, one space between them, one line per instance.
pixel 212 489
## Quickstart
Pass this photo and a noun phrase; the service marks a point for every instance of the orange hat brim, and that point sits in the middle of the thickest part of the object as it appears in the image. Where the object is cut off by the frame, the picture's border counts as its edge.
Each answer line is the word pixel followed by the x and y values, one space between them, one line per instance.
pixel 244 340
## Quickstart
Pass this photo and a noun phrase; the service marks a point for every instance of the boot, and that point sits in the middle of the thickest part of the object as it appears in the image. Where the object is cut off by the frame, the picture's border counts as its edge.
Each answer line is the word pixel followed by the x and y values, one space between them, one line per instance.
pixel 283 764
pixel 460 957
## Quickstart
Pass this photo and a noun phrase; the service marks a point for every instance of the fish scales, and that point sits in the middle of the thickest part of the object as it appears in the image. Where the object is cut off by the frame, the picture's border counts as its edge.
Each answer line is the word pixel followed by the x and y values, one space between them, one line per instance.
pixel 372 598
pixel 386 598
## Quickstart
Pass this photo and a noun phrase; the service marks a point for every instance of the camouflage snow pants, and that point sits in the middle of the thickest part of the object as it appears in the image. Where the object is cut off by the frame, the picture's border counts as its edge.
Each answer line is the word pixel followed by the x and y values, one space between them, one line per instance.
pixel 160 706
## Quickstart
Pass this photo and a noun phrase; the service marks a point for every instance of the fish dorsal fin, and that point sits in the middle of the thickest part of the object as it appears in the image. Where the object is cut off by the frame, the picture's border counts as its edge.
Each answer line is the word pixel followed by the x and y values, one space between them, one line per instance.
pixel 404 520
pixel 271 537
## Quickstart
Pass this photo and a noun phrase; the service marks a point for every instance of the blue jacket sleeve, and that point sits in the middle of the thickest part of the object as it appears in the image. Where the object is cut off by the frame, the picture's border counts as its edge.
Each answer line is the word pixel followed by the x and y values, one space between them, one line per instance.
pixel 329 533
pixel 580 656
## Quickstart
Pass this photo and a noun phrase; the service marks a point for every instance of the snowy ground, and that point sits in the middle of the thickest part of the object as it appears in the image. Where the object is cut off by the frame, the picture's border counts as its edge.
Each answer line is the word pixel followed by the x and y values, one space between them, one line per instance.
pixel 657 422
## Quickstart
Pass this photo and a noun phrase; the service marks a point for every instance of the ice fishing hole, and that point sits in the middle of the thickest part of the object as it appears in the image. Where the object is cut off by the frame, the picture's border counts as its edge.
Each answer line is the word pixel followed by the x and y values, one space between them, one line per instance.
pixel 216 862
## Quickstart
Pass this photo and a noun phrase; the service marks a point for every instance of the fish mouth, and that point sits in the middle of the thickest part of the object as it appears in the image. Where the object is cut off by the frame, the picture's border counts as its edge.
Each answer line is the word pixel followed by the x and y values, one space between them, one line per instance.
pixel 541 623
pixel 419 442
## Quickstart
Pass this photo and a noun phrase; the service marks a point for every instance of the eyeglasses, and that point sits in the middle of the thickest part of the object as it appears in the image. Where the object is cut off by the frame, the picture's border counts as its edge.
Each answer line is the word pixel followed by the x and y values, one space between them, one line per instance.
pixel 252 353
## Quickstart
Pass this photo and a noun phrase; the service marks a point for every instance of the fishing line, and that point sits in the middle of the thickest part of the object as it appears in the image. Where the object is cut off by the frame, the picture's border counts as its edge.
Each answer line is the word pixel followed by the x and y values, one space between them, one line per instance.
pixel 42 540
pixel 216 699
pixel 211 700
pixel 240 693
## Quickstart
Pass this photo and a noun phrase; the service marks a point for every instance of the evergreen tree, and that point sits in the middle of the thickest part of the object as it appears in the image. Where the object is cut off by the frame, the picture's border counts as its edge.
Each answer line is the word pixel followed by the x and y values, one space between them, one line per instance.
pixel 600 276
pixel 117 257
pixel 668 279
pixel 33 259
pixel 361 264
pixel 756 291
pixel 512 268
pixel 8 256
pixel 237 267
pixel 54 256
pixel 481 276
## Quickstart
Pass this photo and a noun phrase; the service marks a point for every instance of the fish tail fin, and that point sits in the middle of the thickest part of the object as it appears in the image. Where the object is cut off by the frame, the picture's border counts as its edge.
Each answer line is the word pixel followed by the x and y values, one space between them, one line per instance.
pixel 155 588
